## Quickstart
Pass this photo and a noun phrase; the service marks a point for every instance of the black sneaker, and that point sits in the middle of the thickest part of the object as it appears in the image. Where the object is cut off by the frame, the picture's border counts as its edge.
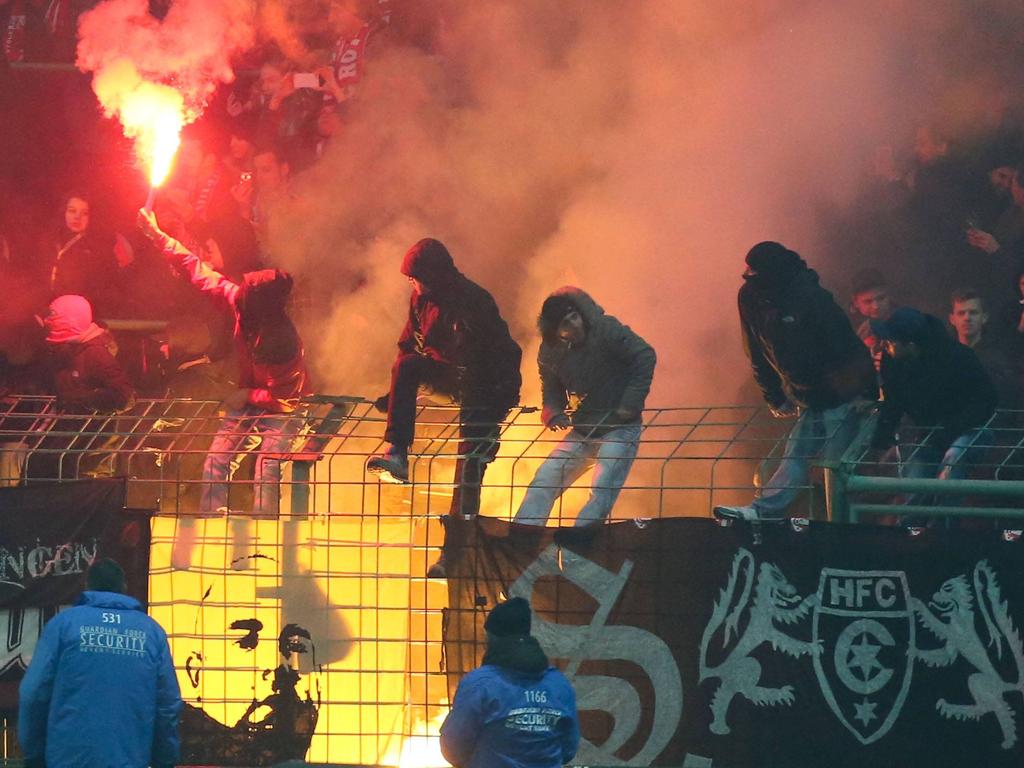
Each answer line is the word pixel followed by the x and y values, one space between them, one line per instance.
pixel 389 468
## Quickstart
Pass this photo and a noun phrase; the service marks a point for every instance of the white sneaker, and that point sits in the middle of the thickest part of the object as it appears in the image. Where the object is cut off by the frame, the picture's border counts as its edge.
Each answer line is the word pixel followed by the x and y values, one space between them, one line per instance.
pixel 747 512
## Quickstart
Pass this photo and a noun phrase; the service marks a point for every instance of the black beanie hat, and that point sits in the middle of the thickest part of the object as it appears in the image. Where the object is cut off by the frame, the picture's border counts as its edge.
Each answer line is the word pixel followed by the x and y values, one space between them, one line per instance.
pixel 774 259
pixel 105 576
pixel 509 619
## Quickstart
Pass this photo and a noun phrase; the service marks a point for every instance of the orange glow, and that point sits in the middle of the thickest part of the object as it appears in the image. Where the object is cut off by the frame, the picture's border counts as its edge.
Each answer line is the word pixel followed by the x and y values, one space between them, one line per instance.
pixel 369 639
pixel 422 752
pixel 151 113
pixel 422 749
pixel 164 137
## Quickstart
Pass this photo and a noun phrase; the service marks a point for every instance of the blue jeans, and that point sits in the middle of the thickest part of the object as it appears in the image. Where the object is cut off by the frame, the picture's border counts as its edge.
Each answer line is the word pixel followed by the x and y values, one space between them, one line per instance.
pixel 827 432
pixel 932 459
pixel 611 455
pixel 234 437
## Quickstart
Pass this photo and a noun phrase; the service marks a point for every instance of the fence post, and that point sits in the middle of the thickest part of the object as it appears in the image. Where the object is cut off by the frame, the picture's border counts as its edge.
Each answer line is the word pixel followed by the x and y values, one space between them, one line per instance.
pixel 837 473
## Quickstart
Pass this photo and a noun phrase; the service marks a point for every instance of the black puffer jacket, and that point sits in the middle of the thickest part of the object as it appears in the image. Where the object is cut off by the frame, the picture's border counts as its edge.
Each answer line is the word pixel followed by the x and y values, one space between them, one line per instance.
pixel 611 369
pixel 457 322
pixel 944 386
pixel 801 344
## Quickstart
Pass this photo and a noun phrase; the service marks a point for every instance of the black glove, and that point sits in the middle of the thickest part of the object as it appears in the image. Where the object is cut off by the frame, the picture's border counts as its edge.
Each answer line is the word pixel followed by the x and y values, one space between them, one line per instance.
pixel 381 403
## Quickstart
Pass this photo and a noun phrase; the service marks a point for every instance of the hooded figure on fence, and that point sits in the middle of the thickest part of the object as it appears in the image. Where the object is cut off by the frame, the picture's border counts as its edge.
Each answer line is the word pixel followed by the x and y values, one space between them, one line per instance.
pixel 456 344
pixel 595 375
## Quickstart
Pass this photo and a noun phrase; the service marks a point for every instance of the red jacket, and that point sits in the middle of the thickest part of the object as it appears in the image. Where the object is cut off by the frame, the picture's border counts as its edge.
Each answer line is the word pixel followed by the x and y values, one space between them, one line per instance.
pixel 271 360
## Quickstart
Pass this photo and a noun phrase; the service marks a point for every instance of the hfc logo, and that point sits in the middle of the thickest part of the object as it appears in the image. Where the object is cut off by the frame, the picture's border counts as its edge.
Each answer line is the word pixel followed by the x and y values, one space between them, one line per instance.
pixel 864 643
pixel 864 625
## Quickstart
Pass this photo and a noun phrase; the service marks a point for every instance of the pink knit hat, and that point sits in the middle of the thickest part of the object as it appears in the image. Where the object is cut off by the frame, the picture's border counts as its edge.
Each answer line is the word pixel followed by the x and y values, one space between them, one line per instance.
pixel 70 319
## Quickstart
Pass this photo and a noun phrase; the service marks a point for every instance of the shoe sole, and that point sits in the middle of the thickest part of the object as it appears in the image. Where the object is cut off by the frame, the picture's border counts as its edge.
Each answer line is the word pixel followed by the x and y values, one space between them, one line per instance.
pixel 386 476
pixel 721 514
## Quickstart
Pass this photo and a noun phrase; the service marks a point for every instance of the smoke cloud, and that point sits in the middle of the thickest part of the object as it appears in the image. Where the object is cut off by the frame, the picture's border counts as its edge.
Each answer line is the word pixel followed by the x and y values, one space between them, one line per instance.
pixel 156 76
pixel 636 149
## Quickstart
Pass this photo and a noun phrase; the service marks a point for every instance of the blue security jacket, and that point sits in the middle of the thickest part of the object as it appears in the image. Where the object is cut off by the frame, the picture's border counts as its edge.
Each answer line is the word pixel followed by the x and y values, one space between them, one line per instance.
pixel 100 691
pixel 507 717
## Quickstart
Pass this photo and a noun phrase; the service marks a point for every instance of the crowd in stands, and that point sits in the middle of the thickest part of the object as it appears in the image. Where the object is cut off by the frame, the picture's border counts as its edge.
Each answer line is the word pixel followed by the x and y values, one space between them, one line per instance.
pixel 939 227
pixel 945 234
pixel 231 170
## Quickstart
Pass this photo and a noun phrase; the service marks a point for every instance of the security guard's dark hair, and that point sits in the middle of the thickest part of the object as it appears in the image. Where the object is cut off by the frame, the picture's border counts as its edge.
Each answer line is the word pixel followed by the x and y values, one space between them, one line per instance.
pixel 105 576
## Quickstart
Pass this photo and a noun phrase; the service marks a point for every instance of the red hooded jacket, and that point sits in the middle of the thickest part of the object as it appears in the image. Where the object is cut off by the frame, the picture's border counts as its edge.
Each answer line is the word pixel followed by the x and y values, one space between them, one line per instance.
pixel 271 358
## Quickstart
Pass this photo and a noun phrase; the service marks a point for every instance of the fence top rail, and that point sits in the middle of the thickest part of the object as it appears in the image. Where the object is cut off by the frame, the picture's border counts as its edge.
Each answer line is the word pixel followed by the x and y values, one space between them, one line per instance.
pixel 350 425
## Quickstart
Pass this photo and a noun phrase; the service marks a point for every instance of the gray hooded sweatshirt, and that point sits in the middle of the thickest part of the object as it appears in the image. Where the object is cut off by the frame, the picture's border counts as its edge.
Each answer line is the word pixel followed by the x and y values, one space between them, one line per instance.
pixel 611 369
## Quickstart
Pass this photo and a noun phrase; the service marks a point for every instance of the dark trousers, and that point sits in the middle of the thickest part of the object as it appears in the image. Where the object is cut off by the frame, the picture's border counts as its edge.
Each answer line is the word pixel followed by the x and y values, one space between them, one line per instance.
pixel 479 429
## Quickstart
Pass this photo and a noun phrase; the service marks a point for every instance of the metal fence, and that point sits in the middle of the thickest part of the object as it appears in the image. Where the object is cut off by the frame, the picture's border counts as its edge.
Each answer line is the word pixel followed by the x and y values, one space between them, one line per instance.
pixel 345 557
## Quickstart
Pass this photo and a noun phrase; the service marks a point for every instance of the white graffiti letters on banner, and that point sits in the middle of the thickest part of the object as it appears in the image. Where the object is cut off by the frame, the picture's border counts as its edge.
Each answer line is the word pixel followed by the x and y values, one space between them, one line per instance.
pixel 19 634
pixel 775 601
pixel 954 625
pixel 863 620
pixel 599 641
pixel 864 642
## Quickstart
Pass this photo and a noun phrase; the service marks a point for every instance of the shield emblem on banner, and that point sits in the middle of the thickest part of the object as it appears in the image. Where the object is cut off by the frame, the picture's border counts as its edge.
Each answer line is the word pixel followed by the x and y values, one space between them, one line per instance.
pixel 864 626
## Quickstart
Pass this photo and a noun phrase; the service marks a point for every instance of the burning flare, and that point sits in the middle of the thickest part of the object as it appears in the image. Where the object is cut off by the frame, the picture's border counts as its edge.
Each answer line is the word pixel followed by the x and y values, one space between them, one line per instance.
pixel 155 75
pixel 151 113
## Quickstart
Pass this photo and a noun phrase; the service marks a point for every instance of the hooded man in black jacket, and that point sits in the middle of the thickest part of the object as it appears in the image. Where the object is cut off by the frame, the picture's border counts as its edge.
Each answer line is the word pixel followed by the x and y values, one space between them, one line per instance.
pixel 606 369
pixel 940 386
pixel 454 343
pixel 808 362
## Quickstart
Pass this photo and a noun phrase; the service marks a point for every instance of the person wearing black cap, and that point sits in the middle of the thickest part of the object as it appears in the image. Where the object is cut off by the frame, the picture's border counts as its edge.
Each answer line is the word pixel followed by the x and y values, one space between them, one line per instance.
pixel 454 344
pixel 514 711
pixel 808 363
pixel 939 385
pixel 101 688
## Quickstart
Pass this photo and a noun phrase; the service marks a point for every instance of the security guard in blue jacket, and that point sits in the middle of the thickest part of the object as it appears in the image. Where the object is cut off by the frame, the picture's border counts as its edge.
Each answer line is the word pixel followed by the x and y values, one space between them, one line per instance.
pixel 100 691
pixel 514 711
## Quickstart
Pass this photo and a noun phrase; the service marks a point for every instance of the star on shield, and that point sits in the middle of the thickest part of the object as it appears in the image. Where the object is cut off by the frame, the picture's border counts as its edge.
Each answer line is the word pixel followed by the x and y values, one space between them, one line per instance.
pixel 865 656
pixel 865 711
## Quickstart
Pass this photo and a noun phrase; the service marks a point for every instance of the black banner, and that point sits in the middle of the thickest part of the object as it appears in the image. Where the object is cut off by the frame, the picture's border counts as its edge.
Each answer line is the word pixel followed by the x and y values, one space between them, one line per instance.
pixel 787 646
pixel 49 535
